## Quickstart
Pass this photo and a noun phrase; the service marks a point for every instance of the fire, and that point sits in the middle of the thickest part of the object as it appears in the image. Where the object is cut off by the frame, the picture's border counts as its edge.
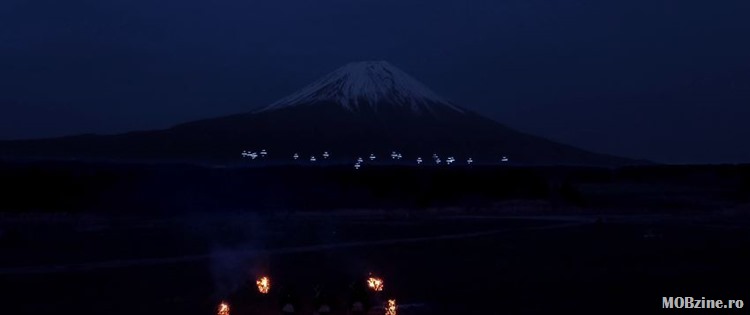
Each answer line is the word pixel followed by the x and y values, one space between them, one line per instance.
pixel 223 309
pixel 264 284
pixel 391 308
pixel 376 284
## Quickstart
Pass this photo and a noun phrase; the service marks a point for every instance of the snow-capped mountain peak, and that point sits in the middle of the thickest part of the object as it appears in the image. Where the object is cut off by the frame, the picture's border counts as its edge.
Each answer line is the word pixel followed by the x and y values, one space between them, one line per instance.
pixel 369 83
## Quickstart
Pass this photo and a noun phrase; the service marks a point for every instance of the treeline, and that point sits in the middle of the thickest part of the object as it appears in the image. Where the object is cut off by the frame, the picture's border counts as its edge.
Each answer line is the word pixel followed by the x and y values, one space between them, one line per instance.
pixel 160 188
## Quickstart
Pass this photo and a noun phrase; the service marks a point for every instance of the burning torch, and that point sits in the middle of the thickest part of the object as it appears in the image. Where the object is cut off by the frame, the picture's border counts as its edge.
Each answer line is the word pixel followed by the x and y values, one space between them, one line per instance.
pixel 391 307
pixel 375 283
pixel 223 309
pixel 264 284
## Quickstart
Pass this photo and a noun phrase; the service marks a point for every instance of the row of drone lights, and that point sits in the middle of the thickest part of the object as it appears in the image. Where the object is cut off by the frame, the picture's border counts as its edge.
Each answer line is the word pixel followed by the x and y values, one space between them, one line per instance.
pixel 326 155
pixel 254 155
pixel 394 156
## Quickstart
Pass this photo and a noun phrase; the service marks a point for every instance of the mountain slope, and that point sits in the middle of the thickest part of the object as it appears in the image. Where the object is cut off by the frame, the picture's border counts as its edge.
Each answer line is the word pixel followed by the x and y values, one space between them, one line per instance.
pixel 361 108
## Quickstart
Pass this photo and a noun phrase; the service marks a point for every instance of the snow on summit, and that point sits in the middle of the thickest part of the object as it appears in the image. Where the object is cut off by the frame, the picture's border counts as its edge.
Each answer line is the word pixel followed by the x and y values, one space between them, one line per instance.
pixel 368 83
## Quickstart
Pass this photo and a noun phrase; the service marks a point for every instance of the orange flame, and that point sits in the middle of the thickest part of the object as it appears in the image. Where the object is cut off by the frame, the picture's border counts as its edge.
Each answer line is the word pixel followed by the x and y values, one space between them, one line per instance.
pixel 391 308
pixel 223 309
pixel 376 284
pixel 264 284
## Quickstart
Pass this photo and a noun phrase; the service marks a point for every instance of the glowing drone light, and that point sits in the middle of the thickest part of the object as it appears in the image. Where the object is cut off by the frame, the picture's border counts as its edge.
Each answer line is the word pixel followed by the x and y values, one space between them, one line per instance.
pixel 470 160
pixel 419 160
pixel 325 155
pixel 295 156
pixel 360 160
pixel 263 152
pixel 504 159
pixel 249 154
pixel 313 159
pixel 357 166
pixel 372 157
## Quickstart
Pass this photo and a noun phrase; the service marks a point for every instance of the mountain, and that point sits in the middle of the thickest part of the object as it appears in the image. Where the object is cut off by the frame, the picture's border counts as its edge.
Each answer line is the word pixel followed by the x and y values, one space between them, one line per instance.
pixel 359 109
pixel 363 85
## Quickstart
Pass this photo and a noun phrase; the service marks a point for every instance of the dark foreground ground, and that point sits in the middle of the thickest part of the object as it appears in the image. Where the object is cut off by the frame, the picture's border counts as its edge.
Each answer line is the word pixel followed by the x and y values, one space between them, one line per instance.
pixel 550 241
pixel 568 265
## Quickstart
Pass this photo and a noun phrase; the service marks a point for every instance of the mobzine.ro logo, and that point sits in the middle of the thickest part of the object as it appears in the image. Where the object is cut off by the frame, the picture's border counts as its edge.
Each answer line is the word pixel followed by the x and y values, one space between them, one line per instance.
pixel 702 303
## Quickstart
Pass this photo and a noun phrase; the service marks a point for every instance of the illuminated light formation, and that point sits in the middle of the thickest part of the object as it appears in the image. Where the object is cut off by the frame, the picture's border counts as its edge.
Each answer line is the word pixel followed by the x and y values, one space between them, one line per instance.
pixel 391 308
pixel 394 155
pixel 469 161
pixel 376 284
pixel 263 153
pixel 360 160
pixel 357 166
pixel 326 155
pixel 249 154
pixel 399 156
pixel 313 159
pixel 450 160
pixel 223 309
pixel 436 158
pixel 419 160
pixel 295 156
pixel 264 284
pixel 504 159
pixel 372 157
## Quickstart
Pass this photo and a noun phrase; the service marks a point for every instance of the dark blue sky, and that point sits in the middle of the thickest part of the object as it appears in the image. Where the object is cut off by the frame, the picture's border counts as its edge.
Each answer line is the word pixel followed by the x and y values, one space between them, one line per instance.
pixel 667 80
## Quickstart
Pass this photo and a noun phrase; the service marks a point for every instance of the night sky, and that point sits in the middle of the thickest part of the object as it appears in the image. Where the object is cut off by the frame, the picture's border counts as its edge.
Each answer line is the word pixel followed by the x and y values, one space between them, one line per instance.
pixel 666 80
